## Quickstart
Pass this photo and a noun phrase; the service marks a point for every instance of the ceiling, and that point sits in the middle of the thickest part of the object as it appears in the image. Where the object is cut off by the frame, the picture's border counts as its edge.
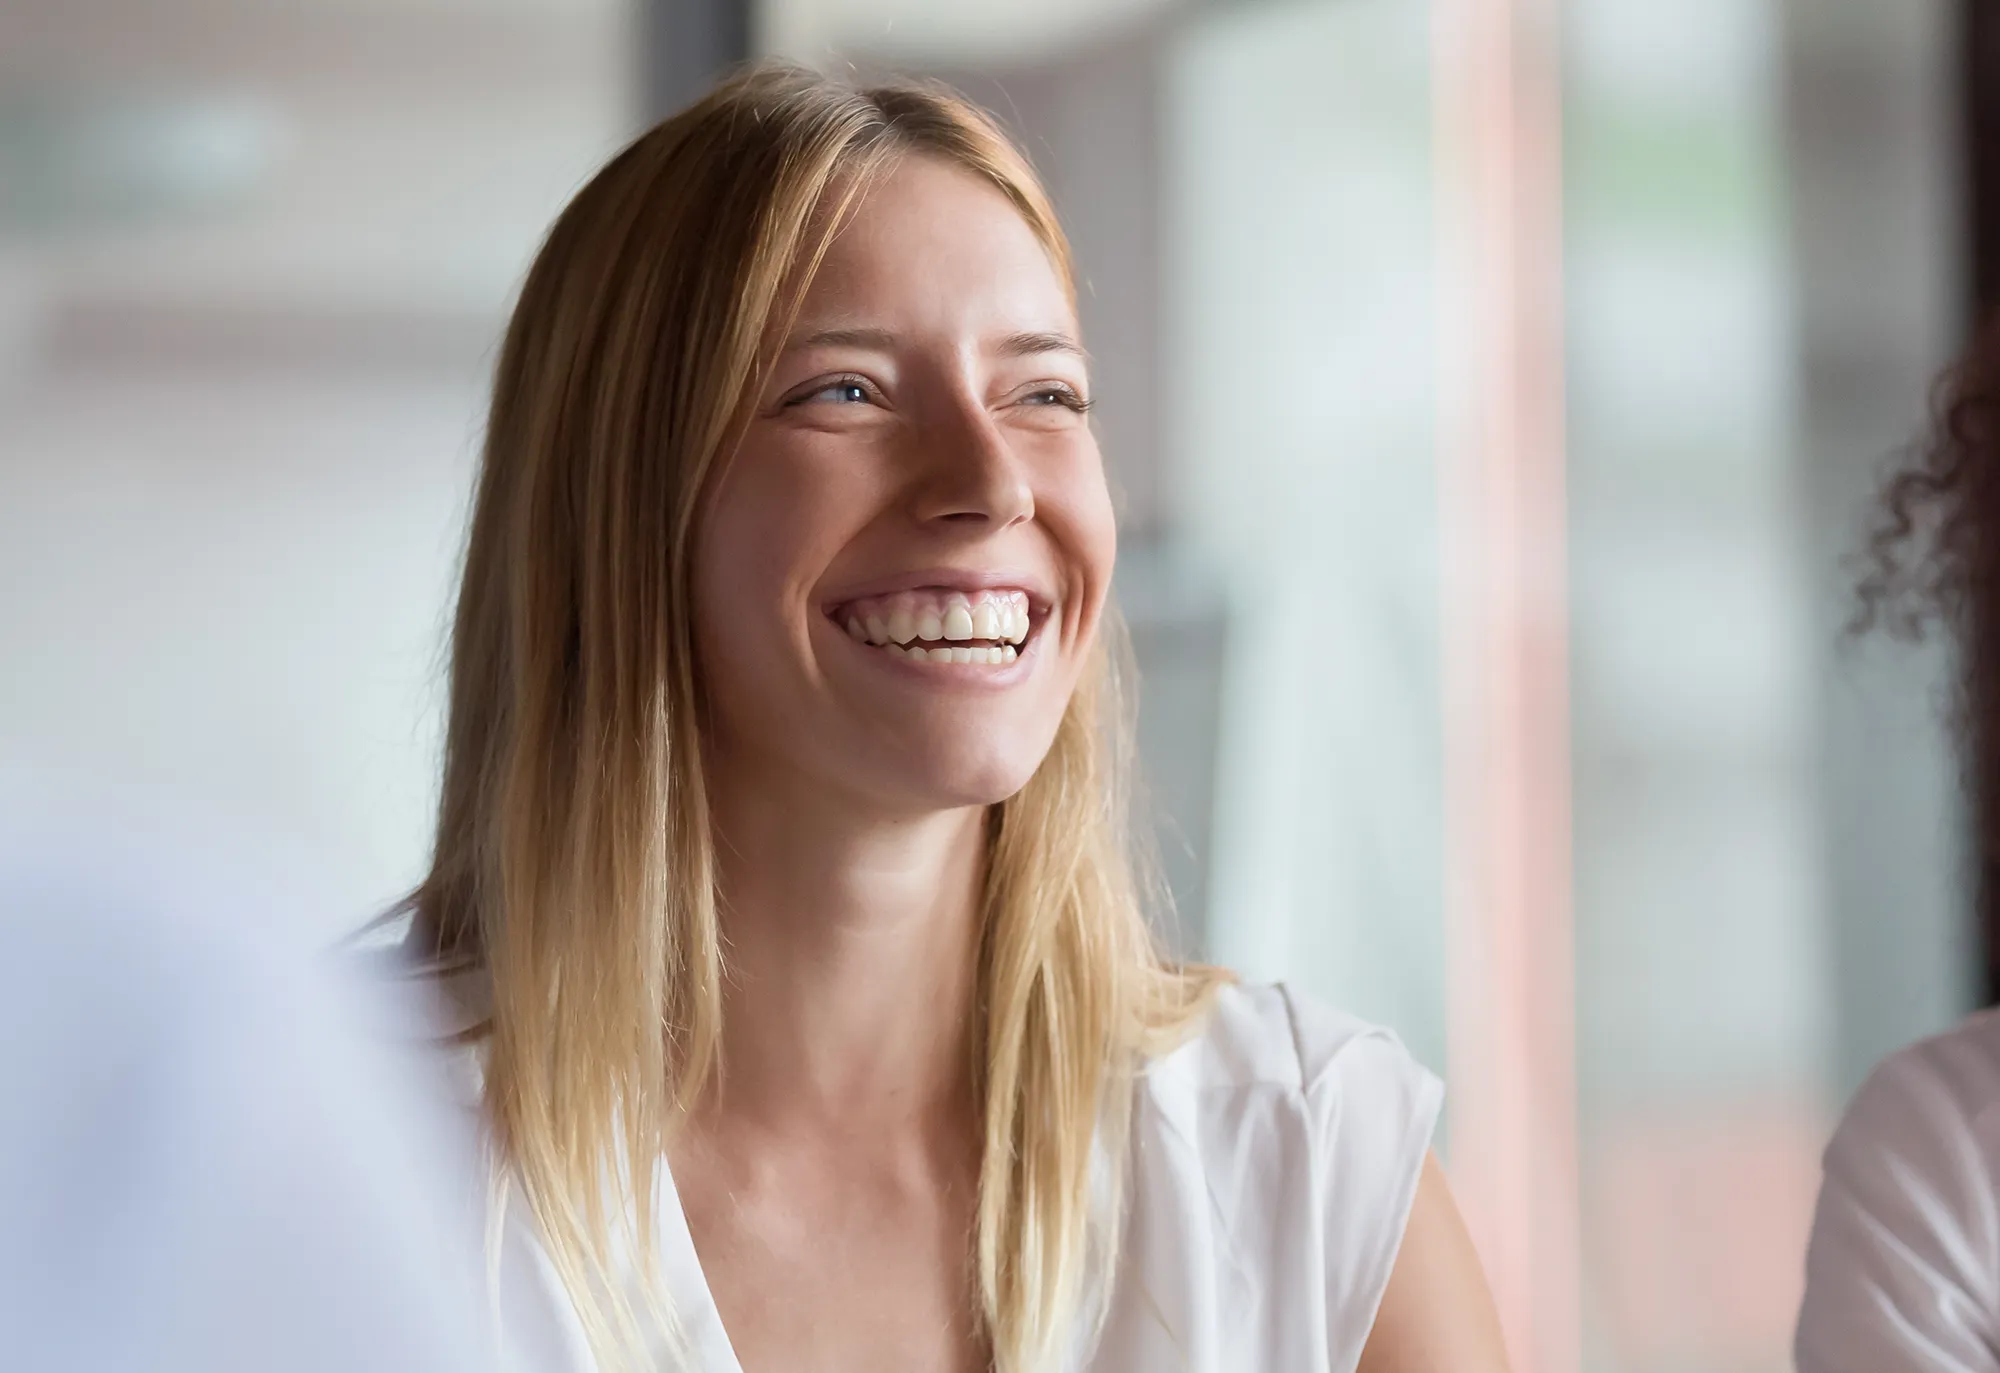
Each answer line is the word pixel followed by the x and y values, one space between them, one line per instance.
pixel 344 159
pixel 951 32
pixel 316 161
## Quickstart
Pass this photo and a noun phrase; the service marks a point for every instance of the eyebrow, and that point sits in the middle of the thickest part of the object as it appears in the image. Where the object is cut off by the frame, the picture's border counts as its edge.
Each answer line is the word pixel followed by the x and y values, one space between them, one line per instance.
pixel 1028 344
pixel 842 338
pixel 1019 345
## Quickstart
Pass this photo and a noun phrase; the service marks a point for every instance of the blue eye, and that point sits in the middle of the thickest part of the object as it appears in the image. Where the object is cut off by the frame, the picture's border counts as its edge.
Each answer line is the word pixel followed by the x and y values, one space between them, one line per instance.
pixel 842 392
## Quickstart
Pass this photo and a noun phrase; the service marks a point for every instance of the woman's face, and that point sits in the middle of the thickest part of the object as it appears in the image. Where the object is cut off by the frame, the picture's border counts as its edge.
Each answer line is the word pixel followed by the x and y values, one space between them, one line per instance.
pixel 899 577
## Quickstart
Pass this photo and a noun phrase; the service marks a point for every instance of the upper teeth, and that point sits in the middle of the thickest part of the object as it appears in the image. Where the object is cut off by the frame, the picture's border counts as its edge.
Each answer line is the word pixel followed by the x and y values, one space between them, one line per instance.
pixel 909 616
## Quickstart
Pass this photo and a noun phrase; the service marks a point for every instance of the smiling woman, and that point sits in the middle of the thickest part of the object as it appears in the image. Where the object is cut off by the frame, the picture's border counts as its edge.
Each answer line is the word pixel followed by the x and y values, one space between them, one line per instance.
pixel 780 871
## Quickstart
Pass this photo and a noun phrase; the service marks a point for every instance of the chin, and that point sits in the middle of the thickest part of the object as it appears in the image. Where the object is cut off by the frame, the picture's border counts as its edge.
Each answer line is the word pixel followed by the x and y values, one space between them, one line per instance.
pixel 949 760
pixel 979 785
pixel 952 779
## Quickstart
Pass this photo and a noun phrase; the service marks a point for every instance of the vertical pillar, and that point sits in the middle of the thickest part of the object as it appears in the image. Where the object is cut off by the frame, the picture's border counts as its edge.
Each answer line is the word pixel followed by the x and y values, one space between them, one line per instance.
pixel 1511 993
pixel 684 45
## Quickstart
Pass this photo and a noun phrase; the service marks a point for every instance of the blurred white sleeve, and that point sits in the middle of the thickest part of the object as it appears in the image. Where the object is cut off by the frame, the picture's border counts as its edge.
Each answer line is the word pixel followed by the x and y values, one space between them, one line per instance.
pixel 206 1163
pixel 1904 1259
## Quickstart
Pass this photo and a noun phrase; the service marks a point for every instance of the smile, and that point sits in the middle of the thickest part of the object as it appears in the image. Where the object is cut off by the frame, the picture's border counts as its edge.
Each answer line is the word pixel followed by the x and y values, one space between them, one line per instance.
pixel 981 628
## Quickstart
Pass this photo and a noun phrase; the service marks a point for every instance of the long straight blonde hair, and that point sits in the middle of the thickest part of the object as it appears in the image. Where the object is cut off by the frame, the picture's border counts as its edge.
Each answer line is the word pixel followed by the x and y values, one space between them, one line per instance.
pixel 574 860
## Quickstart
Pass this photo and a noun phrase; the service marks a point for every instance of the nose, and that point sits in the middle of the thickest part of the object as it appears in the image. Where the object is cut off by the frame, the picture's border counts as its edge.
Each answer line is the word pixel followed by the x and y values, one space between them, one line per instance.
pixel 972 475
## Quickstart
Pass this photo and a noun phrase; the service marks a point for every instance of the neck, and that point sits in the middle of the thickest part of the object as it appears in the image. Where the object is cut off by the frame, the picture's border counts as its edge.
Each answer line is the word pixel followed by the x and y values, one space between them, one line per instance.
pixel 851 946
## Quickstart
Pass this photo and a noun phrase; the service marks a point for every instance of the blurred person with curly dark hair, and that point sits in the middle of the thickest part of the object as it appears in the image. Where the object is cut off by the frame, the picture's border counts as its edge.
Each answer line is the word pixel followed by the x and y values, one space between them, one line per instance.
pixel 1903 1269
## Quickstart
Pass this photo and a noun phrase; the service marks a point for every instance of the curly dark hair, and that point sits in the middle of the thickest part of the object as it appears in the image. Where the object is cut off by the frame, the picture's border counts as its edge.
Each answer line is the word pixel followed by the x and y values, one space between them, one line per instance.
pixel 1934 553
pixel 1933 561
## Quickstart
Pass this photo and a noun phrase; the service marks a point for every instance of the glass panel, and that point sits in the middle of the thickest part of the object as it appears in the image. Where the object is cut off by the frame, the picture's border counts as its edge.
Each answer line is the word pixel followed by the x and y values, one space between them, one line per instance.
pixel 1300 416
pixel 1700 897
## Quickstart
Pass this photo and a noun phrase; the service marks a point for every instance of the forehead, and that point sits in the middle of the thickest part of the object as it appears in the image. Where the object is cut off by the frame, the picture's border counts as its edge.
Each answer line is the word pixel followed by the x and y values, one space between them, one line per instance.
pixel 932 247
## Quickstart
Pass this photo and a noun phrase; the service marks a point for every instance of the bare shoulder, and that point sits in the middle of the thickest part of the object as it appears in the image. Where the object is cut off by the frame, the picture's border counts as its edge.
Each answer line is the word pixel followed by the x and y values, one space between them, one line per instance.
pixel 1437 1313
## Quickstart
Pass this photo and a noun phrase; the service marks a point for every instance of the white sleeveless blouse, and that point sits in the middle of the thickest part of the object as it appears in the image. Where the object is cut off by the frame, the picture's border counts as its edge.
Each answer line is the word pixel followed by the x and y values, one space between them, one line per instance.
pixel 1274 1159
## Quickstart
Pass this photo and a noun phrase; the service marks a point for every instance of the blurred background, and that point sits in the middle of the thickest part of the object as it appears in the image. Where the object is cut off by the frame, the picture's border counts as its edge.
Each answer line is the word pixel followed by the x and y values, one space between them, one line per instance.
pixel 1494 392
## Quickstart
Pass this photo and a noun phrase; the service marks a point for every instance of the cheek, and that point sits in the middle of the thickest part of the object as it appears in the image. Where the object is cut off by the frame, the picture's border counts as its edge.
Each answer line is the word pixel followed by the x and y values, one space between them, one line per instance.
pixel 1100 534
pixel 760 534
pixel 737 566
pixel 774 522
pixel 1078 508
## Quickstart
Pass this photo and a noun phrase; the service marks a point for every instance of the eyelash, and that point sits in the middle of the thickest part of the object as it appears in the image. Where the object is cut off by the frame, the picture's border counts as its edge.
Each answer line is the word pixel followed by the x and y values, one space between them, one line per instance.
pixel 1064 396
pixel 832 384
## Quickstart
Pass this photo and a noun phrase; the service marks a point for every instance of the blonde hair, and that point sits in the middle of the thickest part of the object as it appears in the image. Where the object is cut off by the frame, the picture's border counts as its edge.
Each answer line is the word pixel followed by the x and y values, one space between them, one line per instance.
pixel 574 859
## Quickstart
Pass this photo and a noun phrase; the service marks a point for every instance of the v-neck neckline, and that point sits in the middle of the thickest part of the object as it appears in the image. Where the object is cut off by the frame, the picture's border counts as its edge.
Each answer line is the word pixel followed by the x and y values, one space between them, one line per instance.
pixel 694 1306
